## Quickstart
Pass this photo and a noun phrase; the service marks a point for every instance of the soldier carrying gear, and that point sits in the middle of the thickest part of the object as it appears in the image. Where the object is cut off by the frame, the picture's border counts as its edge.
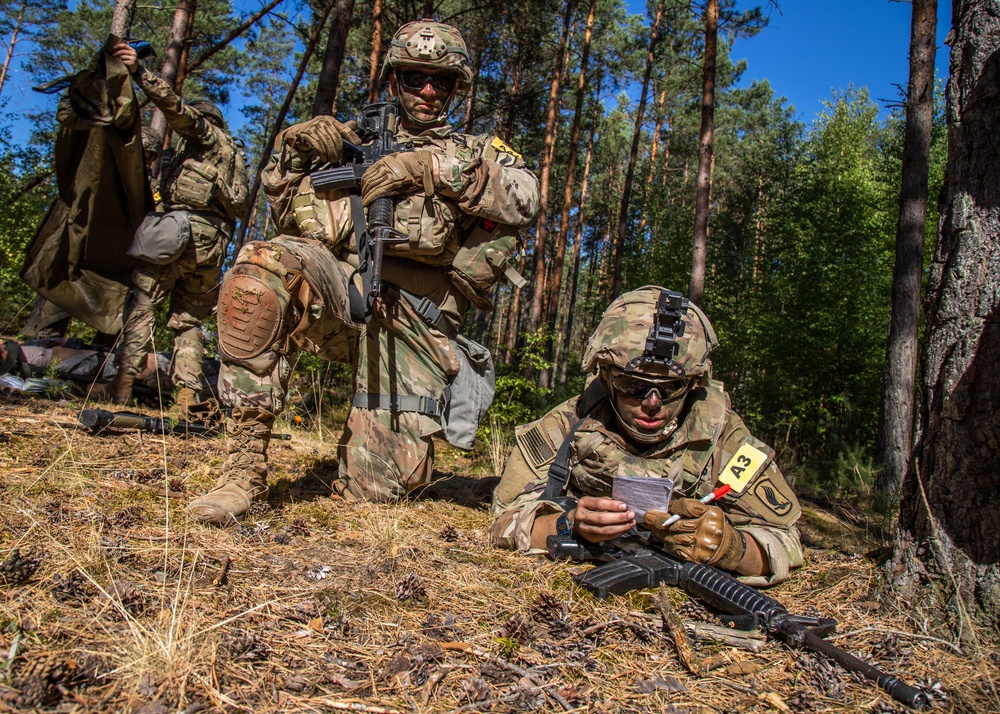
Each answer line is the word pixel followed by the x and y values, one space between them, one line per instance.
pixel 652 410
pixel 458 202
pixel 180 251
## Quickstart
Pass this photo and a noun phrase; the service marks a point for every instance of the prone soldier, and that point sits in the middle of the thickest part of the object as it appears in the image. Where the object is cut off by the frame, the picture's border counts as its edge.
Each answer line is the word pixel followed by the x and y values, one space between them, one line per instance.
pixel 181 257
pixel 459 201
pixel 652 410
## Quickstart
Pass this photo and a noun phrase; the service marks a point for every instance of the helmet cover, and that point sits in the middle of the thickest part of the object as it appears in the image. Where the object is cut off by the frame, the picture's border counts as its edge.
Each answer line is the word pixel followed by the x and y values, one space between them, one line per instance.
pixel 429 45
pixel 652 329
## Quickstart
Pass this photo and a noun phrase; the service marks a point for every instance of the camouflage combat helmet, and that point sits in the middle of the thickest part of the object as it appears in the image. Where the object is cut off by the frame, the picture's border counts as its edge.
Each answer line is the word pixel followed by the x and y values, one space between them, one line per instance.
pixel 652 326
pixel 425 44
pixel 210 111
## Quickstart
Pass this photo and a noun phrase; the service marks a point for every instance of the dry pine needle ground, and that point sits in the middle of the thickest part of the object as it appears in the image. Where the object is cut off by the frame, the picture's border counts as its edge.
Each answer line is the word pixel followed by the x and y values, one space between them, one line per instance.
pixel 110 601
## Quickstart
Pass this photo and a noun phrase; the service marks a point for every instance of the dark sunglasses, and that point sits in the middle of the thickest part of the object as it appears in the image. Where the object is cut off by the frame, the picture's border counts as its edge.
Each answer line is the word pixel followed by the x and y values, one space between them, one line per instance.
pixel 412 79
pixel 629 385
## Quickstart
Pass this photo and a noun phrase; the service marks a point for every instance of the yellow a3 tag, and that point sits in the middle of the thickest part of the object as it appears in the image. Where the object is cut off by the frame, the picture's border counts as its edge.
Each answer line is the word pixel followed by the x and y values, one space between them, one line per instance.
pixel 501 146
pixel 747 463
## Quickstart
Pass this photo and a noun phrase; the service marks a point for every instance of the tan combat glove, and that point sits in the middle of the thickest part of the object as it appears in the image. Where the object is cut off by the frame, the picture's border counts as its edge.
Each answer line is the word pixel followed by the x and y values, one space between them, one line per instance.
pixel 702 535
pixel 398 173
pixel 323 135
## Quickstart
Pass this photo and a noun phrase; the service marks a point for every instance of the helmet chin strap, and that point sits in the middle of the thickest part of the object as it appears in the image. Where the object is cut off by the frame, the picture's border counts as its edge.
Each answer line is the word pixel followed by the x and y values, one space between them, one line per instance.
pixel 438 120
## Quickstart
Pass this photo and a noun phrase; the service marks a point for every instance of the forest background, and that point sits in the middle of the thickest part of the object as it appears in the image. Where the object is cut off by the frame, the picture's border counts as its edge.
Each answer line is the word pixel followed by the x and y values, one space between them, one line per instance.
pixel 802 223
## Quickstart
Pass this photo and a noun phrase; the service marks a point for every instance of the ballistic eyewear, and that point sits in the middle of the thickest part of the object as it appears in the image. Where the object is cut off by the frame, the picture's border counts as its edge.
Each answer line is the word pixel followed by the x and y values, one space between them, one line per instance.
pixel 630 385
pixel 416 80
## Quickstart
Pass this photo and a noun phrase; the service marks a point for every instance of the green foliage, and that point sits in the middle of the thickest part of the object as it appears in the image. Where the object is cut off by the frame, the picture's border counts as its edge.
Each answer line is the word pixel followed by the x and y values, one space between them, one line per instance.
pixel 518 398
pixel 25 192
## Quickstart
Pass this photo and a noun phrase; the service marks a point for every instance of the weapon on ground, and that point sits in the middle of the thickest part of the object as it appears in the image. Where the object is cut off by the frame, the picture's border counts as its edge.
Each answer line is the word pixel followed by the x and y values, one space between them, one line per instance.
pixel 98 419
pixel 377 129
pixel 636 561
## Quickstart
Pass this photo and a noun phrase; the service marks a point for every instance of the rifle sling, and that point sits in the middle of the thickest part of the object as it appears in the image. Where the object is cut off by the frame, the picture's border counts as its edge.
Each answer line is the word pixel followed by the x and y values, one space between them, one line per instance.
pixel 559 471
pixel 355 298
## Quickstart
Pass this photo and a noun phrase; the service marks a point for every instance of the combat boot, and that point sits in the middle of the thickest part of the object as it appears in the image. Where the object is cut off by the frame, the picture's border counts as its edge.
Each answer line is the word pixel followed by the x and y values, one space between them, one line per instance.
pixel 117 391
pixel 244 475
pixel 185 398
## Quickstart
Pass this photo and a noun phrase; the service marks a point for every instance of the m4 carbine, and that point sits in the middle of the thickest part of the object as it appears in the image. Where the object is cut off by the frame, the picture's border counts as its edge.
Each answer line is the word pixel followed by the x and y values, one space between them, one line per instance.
pixel 99 419
pixel 637 561
pixel 377 128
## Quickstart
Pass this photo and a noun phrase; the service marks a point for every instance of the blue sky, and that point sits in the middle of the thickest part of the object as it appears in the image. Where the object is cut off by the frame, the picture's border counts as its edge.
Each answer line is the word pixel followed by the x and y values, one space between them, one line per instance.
pixel 813 47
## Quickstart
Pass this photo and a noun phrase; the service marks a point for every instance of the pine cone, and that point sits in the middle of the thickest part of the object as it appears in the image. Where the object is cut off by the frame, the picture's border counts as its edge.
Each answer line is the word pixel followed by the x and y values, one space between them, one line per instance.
pixel 17 569
pixel 246 646
pixel 411 587
pixel 73 586
pixel 38 680
pixel 546 608
pixel 449 534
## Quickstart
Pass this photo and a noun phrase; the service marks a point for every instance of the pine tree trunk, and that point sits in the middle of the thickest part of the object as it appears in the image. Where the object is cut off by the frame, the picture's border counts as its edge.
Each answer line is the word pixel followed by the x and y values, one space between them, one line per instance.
pixel 545 173
pixel 553 301
pixel 654 38
pixel 121 20
pixel 478 51
pixel 895 428
pixel 172 56
pixel 948 537
pixel 333 58
pixel 703 182
pixel 644 219
pixel 182 70
pixel 373 72
pixel 566 335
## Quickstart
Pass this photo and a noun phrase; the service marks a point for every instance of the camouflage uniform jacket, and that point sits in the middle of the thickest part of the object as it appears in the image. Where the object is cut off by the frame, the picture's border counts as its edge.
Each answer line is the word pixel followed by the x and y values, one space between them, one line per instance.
pixel 467 226
pixel 208 172
pixel 707 435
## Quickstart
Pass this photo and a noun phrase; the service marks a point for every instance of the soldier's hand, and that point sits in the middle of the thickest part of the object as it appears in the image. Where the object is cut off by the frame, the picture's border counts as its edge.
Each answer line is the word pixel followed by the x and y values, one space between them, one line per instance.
pixel 127 54
pixel 702 535
pixel 600 519
pixel 322 135
pixel 396 174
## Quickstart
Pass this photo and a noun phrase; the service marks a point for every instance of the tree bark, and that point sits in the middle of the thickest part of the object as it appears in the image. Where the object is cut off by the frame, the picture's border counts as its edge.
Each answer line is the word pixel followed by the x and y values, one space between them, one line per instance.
pixel 654 146
pixel 121 20
pixel 565 336
pixel 703 182
pixel 654 38
pixel 171 58
pixel 895 428
pixel 373 71
pixel 182 70
pixel 333 58
pixel 947 549
pixel 548 154
pixel 282 113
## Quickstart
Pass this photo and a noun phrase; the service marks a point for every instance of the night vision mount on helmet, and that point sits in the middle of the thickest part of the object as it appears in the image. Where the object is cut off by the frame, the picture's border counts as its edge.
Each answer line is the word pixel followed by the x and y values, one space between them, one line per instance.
pixel 652 329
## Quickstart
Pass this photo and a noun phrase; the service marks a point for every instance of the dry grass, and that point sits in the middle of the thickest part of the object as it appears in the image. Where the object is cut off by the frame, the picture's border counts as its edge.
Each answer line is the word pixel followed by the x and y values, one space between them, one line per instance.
pixel 328 606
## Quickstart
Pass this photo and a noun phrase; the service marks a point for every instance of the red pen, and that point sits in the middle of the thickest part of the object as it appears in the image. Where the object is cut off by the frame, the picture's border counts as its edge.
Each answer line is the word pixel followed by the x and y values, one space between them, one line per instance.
pixel 716 494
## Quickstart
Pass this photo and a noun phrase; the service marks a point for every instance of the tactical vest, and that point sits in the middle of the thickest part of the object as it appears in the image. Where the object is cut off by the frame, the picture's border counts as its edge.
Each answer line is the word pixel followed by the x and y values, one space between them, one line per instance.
pixel 197 183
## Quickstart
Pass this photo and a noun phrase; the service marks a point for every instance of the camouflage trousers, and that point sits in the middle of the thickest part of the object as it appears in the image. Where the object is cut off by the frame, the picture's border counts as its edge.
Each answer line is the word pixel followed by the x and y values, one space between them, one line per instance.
pixel 384 453
pixel 192 284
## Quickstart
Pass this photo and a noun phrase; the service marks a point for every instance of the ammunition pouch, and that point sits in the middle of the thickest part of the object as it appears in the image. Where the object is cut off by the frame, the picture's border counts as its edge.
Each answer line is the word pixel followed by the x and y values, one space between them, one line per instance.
pixel 194 186
pixel 484 259
pixel 161 237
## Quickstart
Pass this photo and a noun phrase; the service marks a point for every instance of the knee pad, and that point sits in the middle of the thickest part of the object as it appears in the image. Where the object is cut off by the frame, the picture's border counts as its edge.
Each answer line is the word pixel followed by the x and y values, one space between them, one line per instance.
pixel 252 306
